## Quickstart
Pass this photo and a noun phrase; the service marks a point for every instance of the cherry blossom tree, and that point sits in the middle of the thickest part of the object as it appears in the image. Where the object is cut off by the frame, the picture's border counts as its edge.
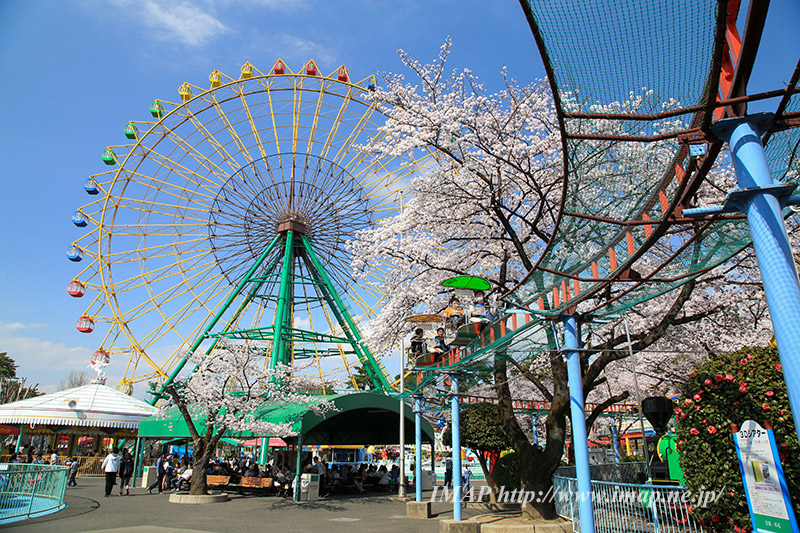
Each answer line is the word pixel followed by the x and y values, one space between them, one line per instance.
pixel 222 394
pixel 489 206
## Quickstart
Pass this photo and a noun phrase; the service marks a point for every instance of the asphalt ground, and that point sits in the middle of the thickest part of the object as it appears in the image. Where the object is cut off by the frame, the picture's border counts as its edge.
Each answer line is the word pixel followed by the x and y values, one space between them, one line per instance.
pixel 87 510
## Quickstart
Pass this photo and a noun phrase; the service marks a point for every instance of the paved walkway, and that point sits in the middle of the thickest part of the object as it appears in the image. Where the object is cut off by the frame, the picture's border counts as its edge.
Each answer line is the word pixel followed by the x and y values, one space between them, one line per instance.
pixel 87 510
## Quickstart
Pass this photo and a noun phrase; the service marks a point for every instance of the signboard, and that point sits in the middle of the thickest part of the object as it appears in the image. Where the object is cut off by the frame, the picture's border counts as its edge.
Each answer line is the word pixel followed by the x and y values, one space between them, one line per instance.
pixel 764 482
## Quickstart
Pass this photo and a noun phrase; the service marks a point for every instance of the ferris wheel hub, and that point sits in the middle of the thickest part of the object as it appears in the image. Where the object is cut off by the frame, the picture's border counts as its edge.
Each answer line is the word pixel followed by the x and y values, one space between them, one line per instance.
pixel 292 224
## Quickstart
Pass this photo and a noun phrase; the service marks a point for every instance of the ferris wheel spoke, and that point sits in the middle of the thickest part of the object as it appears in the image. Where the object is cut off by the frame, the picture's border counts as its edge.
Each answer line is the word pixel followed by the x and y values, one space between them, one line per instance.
pixel 208 189
pixel 183 313
pixel 199 181
pixel 204 161
pixel 218 147
pixel 350 140
pixel 168 294
pixel 338 121
pixel 143 278
pixel 253 128
pixel 154 249
pixel 232 131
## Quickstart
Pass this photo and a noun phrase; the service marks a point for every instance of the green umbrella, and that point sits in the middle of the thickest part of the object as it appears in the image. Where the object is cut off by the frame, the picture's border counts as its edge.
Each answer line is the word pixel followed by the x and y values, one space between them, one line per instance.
pixel 472 283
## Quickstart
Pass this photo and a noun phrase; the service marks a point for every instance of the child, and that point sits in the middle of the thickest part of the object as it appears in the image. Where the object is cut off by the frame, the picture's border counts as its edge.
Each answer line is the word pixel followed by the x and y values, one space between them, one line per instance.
pixel 418 346
pixel 453 314
pixel 439 347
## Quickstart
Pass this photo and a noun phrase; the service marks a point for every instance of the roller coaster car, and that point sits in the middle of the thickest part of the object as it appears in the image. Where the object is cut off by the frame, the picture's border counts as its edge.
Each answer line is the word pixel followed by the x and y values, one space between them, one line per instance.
pixel 426 359
pixel 466 333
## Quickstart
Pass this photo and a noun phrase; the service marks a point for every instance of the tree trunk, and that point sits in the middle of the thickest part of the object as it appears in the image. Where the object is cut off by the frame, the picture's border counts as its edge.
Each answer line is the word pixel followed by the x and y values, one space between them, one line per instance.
pixel 487 473
pixel 202 454
pixel 537 466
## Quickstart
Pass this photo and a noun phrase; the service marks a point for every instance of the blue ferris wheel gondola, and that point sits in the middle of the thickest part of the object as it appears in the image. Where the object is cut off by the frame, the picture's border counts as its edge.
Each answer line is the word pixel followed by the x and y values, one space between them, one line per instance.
pixel 79 219
pixel 74 253
pixel 90 186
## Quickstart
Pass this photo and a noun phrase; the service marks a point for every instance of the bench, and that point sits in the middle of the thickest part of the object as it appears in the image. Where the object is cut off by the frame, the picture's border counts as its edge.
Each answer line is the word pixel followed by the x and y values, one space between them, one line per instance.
pixel 260 484
pixel 217 481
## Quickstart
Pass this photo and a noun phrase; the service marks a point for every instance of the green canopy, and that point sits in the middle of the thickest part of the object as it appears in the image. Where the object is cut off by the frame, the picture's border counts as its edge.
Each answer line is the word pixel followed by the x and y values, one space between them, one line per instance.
pixel 361 418
pixel 473 283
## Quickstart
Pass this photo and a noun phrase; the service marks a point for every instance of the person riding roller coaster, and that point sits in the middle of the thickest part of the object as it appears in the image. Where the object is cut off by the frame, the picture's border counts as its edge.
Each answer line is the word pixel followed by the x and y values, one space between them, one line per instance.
pixel 418 348
pixel 454 314
pixel 480 311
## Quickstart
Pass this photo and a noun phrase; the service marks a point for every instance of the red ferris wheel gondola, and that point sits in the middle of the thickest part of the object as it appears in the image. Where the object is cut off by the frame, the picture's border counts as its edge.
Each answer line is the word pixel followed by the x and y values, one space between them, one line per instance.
pixel 85 324
pixel 76 289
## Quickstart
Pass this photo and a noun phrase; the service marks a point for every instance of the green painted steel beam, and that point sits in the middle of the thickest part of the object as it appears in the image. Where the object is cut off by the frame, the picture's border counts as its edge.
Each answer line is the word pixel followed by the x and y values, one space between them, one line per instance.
pixel 284 308
pixel 245 280
pixel 346 322
pixel 289 334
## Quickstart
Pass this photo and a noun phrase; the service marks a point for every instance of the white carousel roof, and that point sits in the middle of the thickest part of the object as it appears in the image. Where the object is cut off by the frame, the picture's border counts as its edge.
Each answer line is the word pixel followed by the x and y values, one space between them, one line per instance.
pixel 94 405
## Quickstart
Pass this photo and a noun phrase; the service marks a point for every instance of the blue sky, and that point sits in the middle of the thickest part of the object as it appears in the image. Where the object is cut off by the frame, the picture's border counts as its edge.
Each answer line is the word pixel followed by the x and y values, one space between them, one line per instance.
pixel 73 73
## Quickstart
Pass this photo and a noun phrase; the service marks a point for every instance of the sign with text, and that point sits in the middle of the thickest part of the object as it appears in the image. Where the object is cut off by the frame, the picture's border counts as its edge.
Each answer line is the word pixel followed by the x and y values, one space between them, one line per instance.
pixel 764 482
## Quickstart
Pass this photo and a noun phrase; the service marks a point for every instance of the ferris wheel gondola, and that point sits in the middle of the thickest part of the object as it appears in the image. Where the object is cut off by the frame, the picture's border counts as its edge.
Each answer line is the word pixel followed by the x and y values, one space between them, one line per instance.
pixel 230 215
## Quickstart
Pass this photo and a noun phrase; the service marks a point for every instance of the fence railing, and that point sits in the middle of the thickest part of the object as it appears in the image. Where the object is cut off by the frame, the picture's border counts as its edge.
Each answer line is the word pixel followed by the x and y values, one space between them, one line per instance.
pixel 633 472
pixel 28 490
pixel 627 507
pixel 87 465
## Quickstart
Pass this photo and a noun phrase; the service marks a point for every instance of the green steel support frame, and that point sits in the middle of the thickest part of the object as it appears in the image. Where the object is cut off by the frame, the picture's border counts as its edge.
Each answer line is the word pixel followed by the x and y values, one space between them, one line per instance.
pixel 346 322
pixel 281 332
pixel 245 280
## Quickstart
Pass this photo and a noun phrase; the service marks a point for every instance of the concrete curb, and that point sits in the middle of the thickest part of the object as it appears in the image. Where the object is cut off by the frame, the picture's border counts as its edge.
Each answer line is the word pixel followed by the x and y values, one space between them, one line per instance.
pixel 418 510
pixel 180 497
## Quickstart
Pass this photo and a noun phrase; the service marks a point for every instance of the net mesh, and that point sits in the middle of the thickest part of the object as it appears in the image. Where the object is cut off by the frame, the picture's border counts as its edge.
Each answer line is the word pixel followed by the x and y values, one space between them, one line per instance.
pixel 621 239
pixel 610 61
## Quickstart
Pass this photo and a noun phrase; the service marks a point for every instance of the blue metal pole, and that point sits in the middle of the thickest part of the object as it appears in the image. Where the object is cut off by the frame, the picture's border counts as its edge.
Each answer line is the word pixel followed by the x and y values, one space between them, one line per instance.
pixel 572 352
pixel 535 429
pixel 418 447
pixel 615 440
pixel 456 445
pixel 770 240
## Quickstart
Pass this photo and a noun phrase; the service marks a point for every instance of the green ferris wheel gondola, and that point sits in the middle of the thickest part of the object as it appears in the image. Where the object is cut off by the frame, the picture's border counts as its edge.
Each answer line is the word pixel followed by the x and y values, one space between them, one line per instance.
pixel 229 217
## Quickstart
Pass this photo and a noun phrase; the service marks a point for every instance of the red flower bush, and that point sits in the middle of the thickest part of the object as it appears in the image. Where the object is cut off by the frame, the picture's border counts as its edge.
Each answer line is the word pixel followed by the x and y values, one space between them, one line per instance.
pixel 708 458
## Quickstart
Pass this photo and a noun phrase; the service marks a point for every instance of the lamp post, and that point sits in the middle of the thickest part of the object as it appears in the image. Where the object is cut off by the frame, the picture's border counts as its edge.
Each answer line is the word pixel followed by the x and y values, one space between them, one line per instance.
pixel 418 448
pixel 401 490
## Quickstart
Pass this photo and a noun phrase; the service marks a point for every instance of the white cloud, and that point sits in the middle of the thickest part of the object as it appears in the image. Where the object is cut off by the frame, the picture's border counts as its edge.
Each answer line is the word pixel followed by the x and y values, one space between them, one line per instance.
pixel 180 21
pixel 16 326
pixel 291 48
pixel 43 361
pixel 277 5
pixel 301 322
pixel 173 20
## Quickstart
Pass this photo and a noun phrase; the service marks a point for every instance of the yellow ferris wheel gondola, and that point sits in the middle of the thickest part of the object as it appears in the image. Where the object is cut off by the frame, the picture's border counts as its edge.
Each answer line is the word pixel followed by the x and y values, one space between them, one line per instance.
pixel 205 190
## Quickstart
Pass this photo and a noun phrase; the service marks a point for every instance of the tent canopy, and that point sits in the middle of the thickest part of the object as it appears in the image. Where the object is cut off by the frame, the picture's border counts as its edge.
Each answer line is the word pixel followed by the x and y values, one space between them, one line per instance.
pixel 90 406
pixel 362 418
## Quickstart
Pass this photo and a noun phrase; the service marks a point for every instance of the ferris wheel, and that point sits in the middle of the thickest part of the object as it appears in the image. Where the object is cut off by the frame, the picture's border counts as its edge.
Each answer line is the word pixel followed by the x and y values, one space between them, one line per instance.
pixel 228 216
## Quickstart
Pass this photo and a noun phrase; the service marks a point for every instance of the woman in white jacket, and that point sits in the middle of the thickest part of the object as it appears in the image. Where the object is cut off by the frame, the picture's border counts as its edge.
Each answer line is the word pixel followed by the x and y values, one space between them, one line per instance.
pixel 111 467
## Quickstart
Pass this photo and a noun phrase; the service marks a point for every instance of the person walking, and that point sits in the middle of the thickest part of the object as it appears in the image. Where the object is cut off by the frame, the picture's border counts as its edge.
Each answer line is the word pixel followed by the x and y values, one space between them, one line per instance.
pixel 160 471
pixel 125 472
pixel 448 473
pixel 111 467
pixel 73 471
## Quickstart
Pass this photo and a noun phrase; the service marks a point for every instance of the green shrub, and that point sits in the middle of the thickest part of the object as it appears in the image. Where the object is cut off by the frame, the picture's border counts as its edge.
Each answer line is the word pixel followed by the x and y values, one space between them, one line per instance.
pixel 730 389
pixel 632 459
pixel 506 471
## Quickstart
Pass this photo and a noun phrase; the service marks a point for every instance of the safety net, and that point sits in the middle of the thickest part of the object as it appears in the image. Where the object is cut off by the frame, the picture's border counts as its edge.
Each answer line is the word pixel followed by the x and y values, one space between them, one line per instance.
pixel 637 86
